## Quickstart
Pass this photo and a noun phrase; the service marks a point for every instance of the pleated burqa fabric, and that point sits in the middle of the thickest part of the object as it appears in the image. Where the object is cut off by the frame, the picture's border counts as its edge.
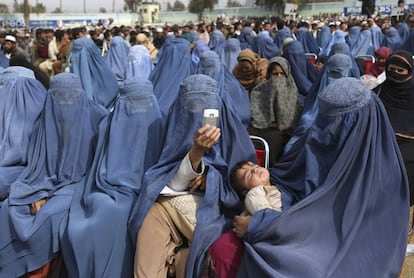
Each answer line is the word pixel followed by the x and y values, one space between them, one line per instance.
pixel 349 202
pixel 98 79
pixel 60 153
pixel 96 242
pixel 21 100
pixel 220 202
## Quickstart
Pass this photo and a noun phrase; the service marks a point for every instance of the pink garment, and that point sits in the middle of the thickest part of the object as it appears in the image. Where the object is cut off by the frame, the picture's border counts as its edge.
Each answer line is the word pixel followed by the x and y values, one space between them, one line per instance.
pixel 225 256
pixel 377 69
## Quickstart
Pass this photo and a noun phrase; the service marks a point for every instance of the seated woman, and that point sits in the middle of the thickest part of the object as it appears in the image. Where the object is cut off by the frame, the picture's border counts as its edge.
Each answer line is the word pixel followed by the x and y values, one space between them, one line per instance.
pixel 275 107
pixel 60 153
pixel 128 144
pixel 334 183
pixel 98 80
pixel 230 90
pixel 21 101
pixel 397 96
pixel 186 196
pixel 246 71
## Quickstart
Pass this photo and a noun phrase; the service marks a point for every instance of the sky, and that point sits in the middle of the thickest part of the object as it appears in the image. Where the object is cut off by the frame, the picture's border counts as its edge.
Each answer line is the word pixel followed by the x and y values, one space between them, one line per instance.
pixel 92 6
pixel 73 5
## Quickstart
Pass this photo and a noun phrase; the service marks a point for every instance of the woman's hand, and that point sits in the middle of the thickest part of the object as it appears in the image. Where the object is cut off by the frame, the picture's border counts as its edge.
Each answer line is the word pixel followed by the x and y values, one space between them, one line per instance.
pixel 240 225
pixel 35 207
pixel 204 139
pixel 198 183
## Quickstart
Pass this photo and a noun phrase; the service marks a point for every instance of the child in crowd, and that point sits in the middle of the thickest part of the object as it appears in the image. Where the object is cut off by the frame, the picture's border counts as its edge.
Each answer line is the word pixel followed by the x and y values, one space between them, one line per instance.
pixel 252 183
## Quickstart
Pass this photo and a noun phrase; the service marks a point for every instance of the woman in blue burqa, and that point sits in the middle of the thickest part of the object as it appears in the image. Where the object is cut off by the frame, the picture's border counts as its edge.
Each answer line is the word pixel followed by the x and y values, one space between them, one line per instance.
pixel 217 42
pixel 392 40
pixel 174 65
pixel 308 41
pixel 140 63
pixel 264 46
pixel 230 53
pixel 340 182
pixel 98 80
pixel 208 212
pixel 117 58
pixel 230 90
pixel 303 71
pixel 60 153
pixel 21 100
pixel 246 37
pixel 129 143
pixel 337 66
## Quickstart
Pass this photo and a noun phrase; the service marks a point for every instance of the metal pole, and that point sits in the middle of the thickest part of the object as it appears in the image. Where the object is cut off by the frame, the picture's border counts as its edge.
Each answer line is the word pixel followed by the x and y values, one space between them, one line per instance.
pixel 113 6
pixel 84 6
pixel 26 13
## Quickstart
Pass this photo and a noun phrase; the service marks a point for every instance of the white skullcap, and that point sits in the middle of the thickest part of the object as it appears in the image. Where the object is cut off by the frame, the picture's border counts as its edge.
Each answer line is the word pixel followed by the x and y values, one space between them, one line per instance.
pixel 10 38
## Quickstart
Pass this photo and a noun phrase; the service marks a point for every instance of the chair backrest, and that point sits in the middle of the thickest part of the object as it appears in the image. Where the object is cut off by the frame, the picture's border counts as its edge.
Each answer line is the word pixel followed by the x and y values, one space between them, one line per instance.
pixel 262 150
pixel 368 59
pixel 311 57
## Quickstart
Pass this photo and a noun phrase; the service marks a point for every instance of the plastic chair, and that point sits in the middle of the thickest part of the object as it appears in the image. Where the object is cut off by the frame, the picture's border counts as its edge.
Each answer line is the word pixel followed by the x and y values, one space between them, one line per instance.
pixel 262 150
pixel 311 57
pixel 368 59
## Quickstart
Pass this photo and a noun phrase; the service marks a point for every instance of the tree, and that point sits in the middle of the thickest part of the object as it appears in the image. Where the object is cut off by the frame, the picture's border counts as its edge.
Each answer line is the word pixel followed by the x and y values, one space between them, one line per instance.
pixel 270 4
pixel 178 6
pixel 169 7
pixel 18 8
pixel 57 11
pixel 4 9
pixel 278 5
pixel 39 8
pixel 233 4
pixel 102 10
pixel 132 5
pixel 198 6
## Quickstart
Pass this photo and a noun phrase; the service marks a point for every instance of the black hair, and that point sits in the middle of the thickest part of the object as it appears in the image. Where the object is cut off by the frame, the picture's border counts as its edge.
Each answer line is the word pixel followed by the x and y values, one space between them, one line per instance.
pixel 234 181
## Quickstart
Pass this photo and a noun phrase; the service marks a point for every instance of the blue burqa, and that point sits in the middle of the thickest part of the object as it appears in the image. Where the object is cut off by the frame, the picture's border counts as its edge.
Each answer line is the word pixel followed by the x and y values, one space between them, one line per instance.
pixel 230 53
pixel 60 153
pixel 337 66
pixel 246 37
pixel 377 37
pixel 140 63
pixel 117 58
pixel 129 143
pixel 199 48
pixel 343 48
pixel 230 89
pixel 217 41
pixel 98 80
pixel 281 35
pixel 174 65
pixel 303 71
pixel 264 46
pixel 21 100
pixel 353 35
pixel 392 40
pixel 364 44
pixel 403 31
pixel 4 61
pixel 308 41
pixel 323 36
pixel 350 196
pixel 337 37
pixel 220 202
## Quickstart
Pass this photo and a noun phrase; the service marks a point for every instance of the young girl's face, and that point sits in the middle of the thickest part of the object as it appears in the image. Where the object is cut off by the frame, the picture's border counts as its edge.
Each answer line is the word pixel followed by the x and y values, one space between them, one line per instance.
pixel 252 175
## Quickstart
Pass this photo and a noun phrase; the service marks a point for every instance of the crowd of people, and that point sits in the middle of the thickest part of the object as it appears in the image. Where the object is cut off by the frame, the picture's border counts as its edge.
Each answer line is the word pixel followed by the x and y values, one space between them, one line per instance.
pixel 107 168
